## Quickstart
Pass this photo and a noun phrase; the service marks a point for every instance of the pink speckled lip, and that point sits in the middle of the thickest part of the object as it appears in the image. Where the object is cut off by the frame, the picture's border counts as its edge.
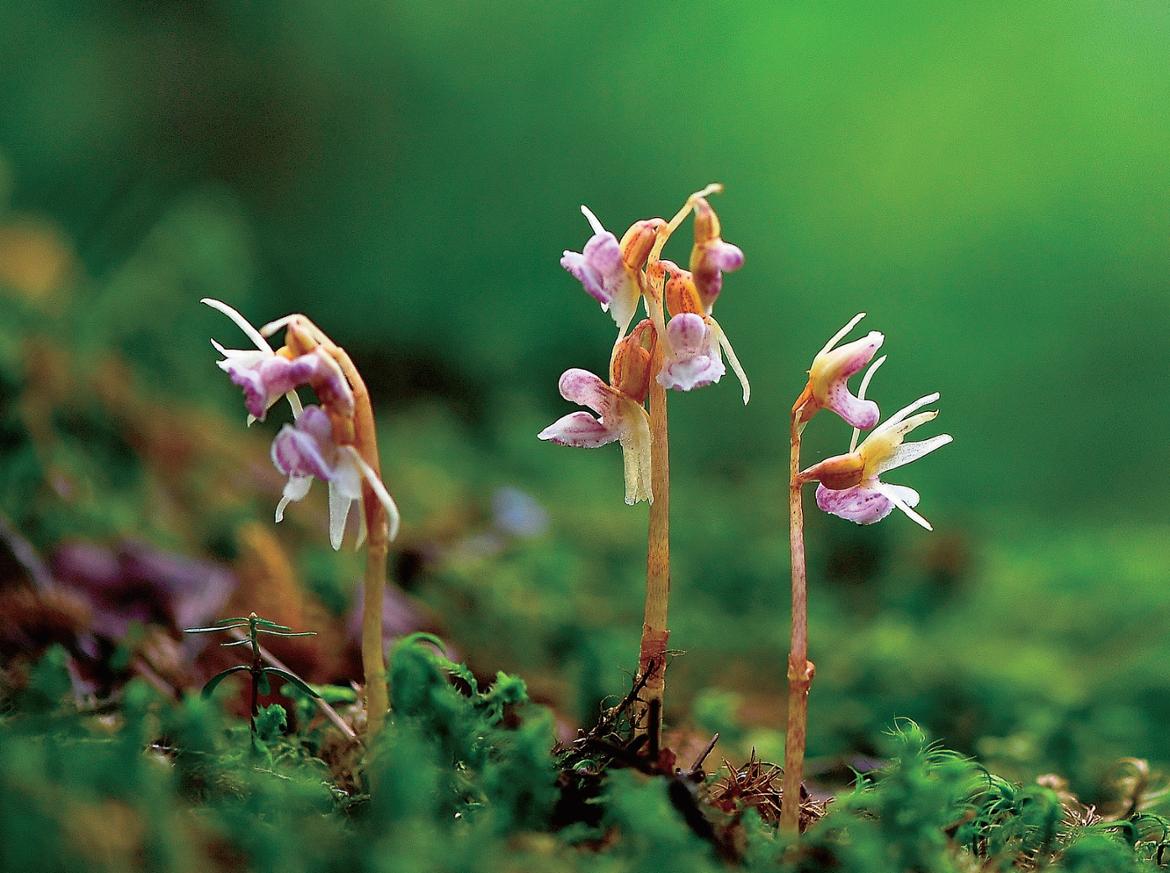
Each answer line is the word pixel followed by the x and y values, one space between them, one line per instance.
pixel 858 504
pixel 694 360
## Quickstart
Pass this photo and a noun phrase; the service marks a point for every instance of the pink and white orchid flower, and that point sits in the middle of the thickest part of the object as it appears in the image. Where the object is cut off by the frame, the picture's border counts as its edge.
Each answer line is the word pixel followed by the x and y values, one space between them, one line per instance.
pixel 306 450
pixel 255 370
pixel 850 486
pixel 827 386
pixel 620 418
pixel 692 358
pixel 610 271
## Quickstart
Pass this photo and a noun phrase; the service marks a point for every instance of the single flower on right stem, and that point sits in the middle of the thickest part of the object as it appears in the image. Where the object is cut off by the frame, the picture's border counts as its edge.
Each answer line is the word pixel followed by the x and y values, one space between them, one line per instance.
pixel 849 485
pixel 828 377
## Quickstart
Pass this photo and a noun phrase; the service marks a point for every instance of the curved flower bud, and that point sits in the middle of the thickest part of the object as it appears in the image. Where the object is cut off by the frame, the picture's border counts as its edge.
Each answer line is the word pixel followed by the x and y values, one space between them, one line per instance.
pixel 850 485
pixel 619 419
pixel 608 270
pixel 306 450
pixel 711 257
pixel 828 377
pixel 632 359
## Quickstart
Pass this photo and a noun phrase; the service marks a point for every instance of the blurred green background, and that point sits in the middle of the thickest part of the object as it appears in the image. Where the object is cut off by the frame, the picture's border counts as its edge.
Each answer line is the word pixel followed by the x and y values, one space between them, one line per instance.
pixel 988 181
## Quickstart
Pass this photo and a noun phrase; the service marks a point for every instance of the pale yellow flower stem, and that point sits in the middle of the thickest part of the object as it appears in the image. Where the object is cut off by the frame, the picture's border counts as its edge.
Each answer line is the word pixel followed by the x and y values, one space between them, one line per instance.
pixel 652 653
pixel 655 633
pixel 377 549
pixel 800 669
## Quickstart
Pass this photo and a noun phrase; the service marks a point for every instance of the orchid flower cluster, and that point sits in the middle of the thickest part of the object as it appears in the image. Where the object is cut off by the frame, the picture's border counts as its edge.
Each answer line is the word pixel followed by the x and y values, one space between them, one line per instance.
pixel 689 347
pixel 850 485
pixel 321 443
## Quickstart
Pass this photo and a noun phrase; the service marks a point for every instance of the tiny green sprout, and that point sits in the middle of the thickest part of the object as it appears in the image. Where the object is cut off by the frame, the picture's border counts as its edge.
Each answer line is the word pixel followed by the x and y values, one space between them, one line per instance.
pixel 258 670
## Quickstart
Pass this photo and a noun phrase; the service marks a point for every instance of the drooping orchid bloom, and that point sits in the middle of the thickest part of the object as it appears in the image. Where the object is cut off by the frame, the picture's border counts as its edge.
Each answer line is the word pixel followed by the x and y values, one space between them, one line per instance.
pixel 306 450
pixel 254 370
pixel 694 338
pixel 620 415
pixel 310 447
pixel 828 378
pixel 711 257
pixel 850 486
pixel 609 270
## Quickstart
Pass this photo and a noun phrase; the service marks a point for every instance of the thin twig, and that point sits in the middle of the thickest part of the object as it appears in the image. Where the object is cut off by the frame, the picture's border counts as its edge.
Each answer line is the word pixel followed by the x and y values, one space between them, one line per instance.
pixel 26 554
pixel 703 756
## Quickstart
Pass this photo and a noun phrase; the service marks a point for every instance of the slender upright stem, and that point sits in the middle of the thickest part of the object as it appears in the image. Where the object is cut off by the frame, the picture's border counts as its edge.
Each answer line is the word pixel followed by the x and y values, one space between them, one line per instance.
pixel 800 669
pixel 256 671
pixel 373 656
pixel 377 549
pixel 652 655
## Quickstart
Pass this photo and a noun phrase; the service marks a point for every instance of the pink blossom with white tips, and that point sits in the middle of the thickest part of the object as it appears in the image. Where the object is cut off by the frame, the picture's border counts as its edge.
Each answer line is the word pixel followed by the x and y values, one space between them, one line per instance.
pixel 831 369
pixel 265 376
pixel 619 419
pixel 695 360
pixel 305 451
pixel 870 499
pixel 604 274
pixel 244 366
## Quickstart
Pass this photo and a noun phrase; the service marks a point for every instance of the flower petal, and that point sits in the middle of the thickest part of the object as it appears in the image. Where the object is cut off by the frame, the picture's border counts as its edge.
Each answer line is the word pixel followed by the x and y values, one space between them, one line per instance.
pixel 829 375
pixel 579 429
pixel 376 485
pixel 241 322
pixel 603 254
pixel 907 452
pixel 635 442
pixel 339 506
pixel 624 295
pixel 857 504
pixel 906 410
pixel 840 335
pixel 575 263
pixel 865 380
pixel 708 264
pixel 585 389
pixel 688 335
pixel 905 499
pixel 736 367
pixel 843 362
pixel 249 380
pixel 693 360
pixel 295 489
pixel 298 454
pixel 861 414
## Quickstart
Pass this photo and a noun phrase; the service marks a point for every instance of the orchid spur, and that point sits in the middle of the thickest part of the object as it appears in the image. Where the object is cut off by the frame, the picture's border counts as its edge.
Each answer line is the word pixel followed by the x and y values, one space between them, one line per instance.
pixel 849 485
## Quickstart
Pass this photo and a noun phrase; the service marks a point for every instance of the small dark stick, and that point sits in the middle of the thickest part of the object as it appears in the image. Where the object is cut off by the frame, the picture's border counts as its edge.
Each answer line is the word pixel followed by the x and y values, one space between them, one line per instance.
pixel 696 767
pixel 654 718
